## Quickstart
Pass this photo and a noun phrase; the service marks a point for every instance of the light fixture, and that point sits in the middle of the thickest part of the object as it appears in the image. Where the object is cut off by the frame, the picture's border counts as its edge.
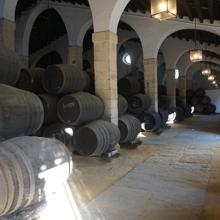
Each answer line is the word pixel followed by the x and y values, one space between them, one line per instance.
pixel 211 78
pixel 206 71
pixel 163 9
pixel 177 74
pixel 196 54
pixel 127 59
pixel 213 82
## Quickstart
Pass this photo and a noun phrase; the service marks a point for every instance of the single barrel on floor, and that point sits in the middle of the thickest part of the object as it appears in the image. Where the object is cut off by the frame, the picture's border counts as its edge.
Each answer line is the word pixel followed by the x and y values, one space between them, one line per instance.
pixel 180 115
pixel 9 66
pixel 129 127
pixel 26 164
pixel 21 112
pixel 96 138
pixel 64 78
pixel 78 108
pixel 151 121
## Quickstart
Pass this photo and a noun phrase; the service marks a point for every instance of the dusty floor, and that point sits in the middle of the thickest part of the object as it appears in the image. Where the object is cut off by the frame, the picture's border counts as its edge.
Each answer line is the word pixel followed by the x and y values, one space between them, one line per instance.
pixel 171 176
pixel 174 176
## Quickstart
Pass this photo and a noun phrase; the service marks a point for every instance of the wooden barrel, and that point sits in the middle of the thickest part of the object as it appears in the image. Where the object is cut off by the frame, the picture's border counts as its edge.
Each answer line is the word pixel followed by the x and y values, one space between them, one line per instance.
pixel 128 86
pixel 61 132
pixel 31 80
pixel 205 100
pixel 9 66
pixel 139 103
pixel 187 110
pixel 50 107
pixel 210 109
pixel 122 105
pixel 22 167
pixel 96 138
pixel 129 127
pixel 180 115
pixel 200 109
pixel 21 112
pixel 78 108
pixel 163 115
pixel 151 121
pixel 200 92
pixel 163 102
pixel 64 78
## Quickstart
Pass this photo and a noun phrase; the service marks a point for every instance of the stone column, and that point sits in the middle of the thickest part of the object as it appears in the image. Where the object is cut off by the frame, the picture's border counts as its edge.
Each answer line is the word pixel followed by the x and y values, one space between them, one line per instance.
pixel 24 61
pixel 150 81
pixel 182 87
pixel 7 33
pixel 75 56
pixel 171 86
pixel 189 84
pixel 105 66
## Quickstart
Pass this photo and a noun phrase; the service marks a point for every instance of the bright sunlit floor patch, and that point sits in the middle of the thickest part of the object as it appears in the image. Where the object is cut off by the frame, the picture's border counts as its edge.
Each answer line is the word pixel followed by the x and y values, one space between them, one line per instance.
pixel 61 205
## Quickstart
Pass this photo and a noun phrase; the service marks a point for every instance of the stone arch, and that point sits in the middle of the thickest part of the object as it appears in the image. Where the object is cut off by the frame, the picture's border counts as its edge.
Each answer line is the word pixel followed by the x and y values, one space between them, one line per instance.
pixel 195 67
pixel 26 24
pixel 83 31
pixel 108 20
pixel 182 46
pixel 184 62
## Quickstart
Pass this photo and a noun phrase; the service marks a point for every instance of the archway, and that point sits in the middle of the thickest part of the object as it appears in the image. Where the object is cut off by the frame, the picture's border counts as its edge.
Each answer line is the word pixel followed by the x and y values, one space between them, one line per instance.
pixel 48 33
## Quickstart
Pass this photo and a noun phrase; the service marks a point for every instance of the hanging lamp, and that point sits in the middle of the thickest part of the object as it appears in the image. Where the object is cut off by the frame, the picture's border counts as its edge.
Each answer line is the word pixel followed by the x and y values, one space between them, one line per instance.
pixel 206 71
pixel 163 9
pixel 196 54
pixel 211 78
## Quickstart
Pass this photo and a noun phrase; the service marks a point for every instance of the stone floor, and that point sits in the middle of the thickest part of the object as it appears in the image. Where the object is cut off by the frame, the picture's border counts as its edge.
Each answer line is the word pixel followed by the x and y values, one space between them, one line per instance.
pixel 174 176
pixel 166 178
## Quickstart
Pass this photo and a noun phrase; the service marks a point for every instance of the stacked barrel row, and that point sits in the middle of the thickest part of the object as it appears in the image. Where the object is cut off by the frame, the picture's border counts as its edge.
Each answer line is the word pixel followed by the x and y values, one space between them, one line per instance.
pixel 165 108
pixel 25 161
pixel 139 103
pixel 71 114
pixel 200 101
pixel 181 111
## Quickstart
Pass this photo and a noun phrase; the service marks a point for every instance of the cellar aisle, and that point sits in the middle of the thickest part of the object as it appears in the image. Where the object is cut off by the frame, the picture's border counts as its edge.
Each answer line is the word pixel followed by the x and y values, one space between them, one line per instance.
pixel 166 178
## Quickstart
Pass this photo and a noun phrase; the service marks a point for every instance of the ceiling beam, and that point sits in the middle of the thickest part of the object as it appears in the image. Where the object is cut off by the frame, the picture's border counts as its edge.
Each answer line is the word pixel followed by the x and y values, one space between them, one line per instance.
pixel 198 10
pixel 211 10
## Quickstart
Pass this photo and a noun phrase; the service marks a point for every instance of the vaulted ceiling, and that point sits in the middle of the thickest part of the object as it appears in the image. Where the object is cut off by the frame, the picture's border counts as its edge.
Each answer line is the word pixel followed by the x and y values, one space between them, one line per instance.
pixel 201 9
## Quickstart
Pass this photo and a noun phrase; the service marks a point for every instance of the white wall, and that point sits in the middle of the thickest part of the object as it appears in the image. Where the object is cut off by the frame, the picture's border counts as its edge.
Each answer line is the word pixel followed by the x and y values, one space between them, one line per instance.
pixel 215 97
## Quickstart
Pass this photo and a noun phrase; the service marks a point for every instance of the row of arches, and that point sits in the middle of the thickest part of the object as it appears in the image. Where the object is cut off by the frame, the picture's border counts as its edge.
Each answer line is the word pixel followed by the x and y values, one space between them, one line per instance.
pixel 145 39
